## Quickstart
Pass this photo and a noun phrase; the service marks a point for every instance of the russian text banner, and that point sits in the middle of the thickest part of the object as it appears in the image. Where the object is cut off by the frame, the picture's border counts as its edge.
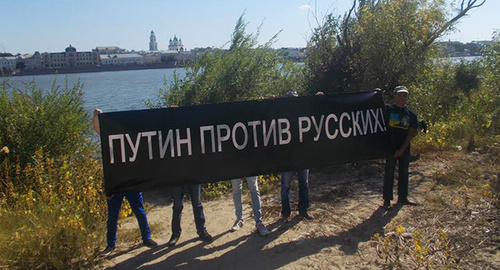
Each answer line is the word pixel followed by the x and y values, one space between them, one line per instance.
pixel 147 149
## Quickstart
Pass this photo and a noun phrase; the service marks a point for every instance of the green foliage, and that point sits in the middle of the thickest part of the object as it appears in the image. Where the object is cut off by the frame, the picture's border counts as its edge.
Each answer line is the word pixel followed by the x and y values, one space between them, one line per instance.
pixel 376 44
pixel 395 40
pixel 491 81
pixel 51 203
pixel 215 190
pixel 467 77
pixel 460 102
pixel 244 72
pixel 53 120
pixel 328 60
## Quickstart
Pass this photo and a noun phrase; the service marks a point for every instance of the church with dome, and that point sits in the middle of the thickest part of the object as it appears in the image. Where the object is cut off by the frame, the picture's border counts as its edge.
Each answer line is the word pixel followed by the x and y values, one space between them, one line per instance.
pixel 175 44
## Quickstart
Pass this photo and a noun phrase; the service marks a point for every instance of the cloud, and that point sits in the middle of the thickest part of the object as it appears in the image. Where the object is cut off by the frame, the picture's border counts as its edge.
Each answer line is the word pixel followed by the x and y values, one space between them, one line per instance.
pixel 305 7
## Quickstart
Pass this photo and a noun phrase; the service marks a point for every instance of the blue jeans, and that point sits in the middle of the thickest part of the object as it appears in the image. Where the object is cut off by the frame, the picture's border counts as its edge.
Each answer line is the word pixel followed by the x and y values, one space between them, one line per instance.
pixel 178 196
pixel 136 203
pixel 286 180
pixel 390 167
pixel 254 192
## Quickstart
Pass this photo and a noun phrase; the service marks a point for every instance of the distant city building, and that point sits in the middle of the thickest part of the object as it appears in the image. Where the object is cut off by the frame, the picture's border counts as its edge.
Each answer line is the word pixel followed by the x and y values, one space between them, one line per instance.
pixel 70 58
pixel 8 62
pixel 109 49
pixel 32 61
pixel 153 46
pixel 294 53
pixel 151 58
pixel 122 59
pixel 175 44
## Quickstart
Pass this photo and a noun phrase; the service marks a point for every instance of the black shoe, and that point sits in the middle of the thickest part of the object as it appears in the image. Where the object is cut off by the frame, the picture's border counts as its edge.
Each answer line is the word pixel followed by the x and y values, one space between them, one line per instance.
pixel 405 201
pixel 107 251
pixel 150 243
pixel 306 215
pixel 173 240
pixel 205 236
pixel 285 216
pixel 387 204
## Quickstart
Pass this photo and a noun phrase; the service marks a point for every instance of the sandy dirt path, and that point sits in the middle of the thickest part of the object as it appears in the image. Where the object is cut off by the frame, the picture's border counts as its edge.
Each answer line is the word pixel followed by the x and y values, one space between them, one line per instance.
pixel 344 199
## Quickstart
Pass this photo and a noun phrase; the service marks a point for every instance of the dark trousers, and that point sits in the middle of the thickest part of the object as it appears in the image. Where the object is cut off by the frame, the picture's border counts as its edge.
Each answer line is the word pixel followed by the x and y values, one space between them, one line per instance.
pixel 390 166
pixel 178 196
pixel 286 181
pixel 136 203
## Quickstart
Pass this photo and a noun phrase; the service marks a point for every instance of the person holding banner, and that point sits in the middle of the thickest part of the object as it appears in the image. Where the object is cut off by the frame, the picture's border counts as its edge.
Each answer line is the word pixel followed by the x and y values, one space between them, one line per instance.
pixel 199 216
pixel 402 127
pixel 303 206
pixel 303 179
pixel 256 204
pixel 114 204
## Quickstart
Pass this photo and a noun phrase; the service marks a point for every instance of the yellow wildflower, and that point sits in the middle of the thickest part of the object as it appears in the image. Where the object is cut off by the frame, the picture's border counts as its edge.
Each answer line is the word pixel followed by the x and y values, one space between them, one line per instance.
pixel 5 150
pixel 417 246
pixel 400 229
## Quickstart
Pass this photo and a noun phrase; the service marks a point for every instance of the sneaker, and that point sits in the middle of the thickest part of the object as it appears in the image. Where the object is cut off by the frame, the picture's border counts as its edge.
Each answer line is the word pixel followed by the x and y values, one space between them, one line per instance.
pixel 107 251
pixel 149 243
pixel 387 204
pixel 263 231
pixel 306 216
pixel 205 236
pixel 237 225
pixel 405 201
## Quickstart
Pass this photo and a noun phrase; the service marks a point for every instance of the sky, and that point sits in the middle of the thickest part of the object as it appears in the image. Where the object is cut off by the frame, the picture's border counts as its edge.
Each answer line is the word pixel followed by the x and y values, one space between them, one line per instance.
pixel 52 25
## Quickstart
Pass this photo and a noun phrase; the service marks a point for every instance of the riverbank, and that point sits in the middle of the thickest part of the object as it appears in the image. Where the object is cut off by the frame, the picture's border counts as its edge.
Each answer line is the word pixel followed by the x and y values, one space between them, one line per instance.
pixel 86 69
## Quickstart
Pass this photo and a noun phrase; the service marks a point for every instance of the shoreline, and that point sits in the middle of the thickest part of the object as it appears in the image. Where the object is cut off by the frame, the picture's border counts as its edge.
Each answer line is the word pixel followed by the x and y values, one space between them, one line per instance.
pixel 89 69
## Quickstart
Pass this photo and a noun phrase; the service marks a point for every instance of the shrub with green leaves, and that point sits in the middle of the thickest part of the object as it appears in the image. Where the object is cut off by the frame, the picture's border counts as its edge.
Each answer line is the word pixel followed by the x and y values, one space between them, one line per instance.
pixel 460 102
pixel 52 208
pixel 52 119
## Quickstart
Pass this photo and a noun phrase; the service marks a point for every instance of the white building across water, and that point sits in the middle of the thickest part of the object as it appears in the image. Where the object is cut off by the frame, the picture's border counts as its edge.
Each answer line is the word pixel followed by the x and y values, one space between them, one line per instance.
pixel 70 58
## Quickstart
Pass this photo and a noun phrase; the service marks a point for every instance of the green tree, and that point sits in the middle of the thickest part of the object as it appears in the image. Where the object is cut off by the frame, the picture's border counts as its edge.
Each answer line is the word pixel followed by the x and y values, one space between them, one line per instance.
pixel 378 43
pixel 244 72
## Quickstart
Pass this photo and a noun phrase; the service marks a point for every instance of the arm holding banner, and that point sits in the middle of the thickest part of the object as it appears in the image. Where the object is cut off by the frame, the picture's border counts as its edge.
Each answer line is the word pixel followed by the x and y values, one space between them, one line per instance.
pixel 95 121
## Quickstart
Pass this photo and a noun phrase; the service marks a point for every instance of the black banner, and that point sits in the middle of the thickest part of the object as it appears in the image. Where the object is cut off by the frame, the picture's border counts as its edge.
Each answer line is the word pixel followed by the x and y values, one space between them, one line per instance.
pixel 207 143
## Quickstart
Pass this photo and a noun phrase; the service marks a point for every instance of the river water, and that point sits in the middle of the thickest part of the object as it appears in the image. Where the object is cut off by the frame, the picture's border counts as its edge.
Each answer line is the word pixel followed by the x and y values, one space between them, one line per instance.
pixel 112 90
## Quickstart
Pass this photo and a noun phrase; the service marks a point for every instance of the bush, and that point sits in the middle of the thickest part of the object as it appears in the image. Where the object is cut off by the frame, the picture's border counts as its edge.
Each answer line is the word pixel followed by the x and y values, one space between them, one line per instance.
pixel 53 120
pixel 461 115
pixel 52 207
pixel 51 212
